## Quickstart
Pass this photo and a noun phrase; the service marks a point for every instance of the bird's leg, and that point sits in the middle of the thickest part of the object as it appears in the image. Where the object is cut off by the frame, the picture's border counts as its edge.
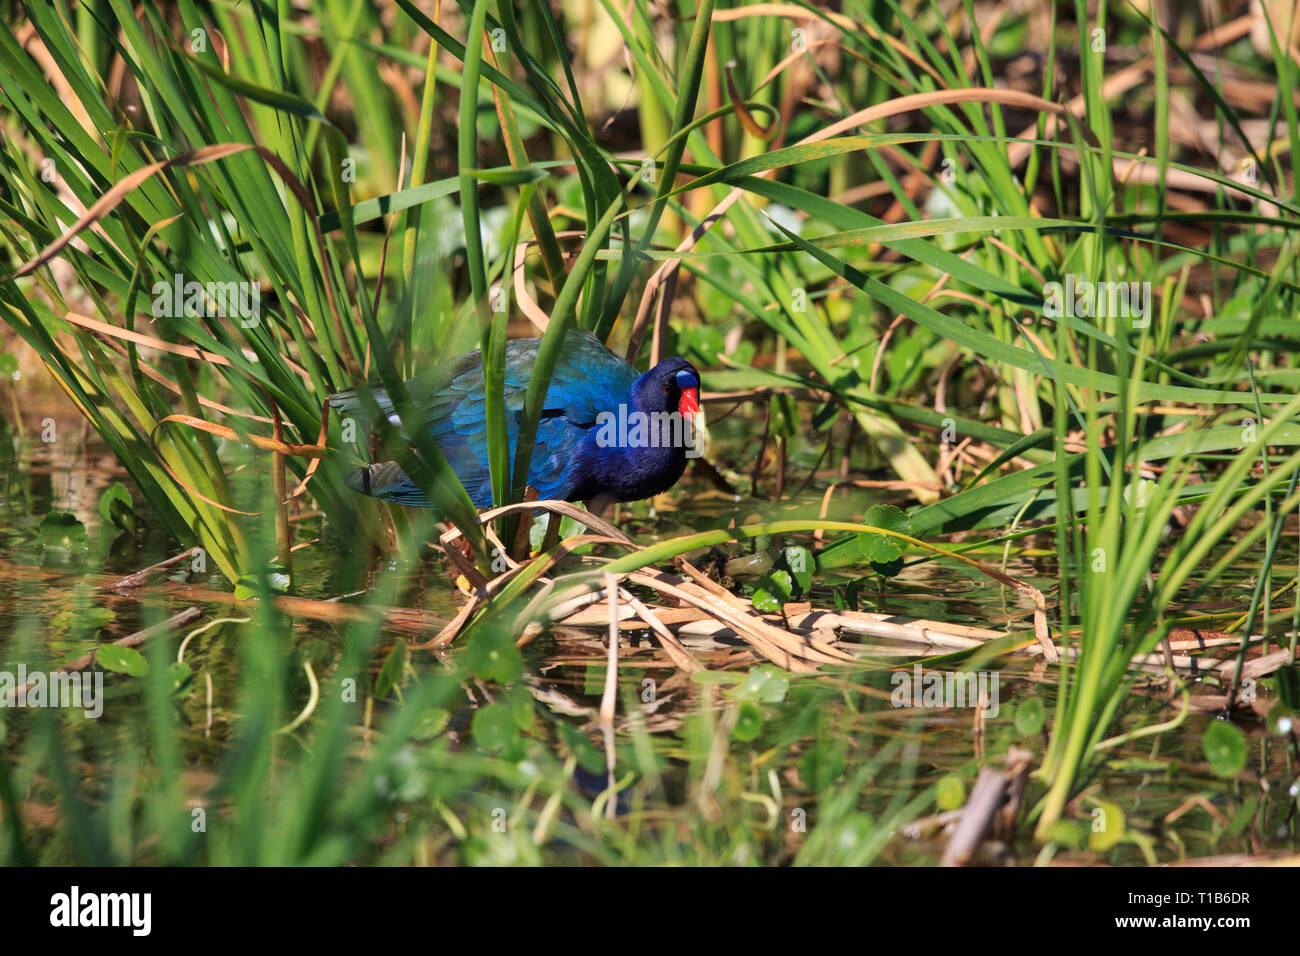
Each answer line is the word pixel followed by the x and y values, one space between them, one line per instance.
pixel 519 546
pixel 599 504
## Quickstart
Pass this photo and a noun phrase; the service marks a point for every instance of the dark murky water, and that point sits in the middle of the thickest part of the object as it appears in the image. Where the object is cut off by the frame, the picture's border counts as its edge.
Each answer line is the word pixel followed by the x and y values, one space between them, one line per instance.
pixel 54 607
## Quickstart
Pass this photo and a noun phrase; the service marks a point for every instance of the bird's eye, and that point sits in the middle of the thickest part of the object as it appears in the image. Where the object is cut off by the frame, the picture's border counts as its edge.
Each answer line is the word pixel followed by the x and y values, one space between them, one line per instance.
pixel 667 388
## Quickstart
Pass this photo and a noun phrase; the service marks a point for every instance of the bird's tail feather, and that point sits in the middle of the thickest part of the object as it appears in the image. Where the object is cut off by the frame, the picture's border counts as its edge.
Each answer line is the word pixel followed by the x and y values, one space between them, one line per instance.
pixel 348 403
pixel 386 480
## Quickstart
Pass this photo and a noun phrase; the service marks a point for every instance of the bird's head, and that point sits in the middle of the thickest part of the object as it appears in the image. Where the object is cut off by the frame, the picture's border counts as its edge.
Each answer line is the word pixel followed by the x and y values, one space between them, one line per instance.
pixel 671 386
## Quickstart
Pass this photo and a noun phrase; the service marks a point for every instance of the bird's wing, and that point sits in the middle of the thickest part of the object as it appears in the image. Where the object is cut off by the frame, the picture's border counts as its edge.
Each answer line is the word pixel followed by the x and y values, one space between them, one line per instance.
pixel 587 380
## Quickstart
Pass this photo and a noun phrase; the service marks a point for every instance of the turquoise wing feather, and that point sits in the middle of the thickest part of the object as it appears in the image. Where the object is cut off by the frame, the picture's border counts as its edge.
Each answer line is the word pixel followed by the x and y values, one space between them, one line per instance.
pixel 588 379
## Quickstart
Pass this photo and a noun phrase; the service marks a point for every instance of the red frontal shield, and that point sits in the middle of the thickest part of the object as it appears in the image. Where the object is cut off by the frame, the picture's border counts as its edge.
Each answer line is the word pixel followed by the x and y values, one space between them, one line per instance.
pixel 689 406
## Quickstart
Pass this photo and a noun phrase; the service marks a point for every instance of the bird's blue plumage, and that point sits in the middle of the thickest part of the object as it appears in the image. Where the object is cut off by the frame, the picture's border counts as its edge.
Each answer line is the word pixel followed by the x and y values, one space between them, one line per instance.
pixel 588 379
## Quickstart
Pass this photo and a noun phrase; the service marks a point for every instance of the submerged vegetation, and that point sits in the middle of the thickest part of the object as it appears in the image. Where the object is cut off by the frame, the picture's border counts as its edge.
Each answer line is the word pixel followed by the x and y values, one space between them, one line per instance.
pixel 994 310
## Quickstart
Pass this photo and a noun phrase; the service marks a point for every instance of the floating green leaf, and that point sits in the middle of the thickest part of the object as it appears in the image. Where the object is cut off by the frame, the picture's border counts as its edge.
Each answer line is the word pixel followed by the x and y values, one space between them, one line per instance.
pixel 950 791
pixel 764 684
pixel 883 549
pixel 1107 826
pixel 88 619
pixel 1225 749
pixel 432 722
pixel 749 721
pixel 802 564
pixel 772 592
pixel 1030 716
pixel 494 727
pixel 122 660
pixel 492 655
pixel 61 529
pixel 1067 833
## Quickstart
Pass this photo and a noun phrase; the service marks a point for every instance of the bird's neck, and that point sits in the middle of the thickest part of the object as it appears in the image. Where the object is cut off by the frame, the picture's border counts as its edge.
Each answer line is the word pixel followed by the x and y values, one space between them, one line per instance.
pixel 642 455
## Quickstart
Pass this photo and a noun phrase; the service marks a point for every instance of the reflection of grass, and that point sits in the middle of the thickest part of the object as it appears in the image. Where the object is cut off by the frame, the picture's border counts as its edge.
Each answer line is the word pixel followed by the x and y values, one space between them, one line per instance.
pixel 394 781
pixel 923 316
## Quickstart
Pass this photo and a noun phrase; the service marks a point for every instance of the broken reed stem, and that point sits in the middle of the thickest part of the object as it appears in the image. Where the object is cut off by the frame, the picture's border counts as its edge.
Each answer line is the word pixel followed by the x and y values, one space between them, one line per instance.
pixel 611 686
pixel 140 577
pixel 283 540
pixel 676 652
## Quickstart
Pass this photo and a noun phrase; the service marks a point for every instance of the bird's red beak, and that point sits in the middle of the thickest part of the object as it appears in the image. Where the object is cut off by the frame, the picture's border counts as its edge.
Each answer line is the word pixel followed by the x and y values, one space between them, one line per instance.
pixel 689 406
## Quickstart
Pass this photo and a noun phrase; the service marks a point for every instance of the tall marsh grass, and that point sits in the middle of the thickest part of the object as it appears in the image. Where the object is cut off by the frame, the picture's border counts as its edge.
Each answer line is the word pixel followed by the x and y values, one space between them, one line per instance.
pixel 368 172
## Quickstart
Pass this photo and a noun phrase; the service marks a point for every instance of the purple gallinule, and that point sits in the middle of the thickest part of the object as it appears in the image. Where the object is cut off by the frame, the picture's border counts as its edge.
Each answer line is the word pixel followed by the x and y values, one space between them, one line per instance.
pixel 606 433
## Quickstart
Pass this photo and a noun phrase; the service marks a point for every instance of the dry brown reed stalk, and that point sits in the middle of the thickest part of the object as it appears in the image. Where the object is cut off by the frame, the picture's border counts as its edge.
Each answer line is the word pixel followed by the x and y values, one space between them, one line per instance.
pixel 607 698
